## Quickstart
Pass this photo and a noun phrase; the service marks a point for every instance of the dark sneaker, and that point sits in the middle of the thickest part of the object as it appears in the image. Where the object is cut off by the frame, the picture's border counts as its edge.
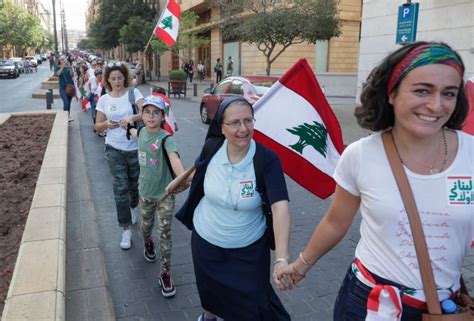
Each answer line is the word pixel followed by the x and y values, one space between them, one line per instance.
pixel 149 250
pixel 167 288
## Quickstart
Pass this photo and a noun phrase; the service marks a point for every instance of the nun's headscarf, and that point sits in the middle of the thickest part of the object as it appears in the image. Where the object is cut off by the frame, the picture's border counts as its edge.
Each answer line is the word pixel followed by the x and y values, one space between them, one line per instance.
pixel 215 128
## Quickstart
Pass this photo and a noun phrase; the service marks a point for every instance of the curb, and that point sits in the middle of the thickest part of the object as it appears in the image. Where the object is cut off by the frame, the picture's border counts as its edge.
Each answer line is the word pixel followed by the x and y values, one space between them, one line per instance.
pixel 38 283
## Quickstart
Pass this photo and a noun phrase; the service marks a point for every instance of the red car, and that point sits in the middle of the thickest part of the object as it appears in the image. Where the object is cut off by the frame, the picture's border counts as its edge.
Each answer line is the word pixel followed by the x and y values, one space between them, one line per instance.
pixel 251 87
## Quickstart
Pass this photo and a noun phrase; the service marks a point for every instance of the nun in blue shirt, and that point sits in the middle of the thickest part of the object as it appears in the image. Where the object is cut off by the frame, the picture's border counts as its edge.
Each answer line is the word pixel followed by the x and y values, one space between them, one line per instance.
pixel 230 240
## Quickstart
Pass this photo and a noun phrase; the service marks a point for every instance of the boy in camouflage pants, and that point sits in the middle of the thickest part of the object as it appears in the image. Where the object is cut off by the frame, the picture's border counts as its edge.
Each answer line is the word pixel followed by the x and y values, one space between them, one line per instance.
pixel 158 158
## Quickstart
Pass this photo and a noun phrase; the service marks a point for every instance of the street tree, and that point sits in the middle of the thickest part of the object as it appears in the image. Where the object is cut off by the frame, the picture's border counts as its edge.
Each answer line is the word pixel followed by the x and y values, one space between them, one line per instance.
pixel 20 29
pixel 275 25
pixel 112 16
pixel 135 34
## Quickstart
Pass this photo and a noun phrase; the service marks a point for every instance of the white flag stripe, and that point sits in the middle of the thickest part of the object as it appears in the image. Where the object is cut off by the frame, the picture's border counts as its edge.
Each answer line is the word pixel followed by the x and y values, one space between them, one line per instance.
pixel 296 110
pixel 172 32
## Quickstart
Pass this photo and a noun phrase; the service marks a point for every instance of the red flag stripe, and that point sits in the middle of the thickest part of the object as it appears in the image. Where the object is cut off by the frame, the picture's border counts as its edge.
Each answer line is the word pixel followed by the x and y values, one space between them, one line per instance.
pixel 310 90
pixel 163 35
pixel 299 169
pixel 174 8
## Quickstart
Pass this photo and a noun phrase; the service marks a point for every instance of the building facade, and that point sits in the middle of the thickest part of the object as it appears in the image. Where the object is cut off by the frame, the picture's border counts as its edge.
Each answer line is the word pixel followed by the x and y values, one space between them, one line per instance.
pixel 451 22
pixel 338 55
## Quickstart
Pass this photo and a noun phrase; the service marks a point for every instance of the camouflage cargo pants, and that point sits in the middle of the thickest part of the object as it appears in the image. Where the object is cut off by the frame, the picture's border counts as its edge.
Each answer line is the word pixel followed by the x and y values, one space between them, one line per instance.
pixel 124 169
pixel 149 207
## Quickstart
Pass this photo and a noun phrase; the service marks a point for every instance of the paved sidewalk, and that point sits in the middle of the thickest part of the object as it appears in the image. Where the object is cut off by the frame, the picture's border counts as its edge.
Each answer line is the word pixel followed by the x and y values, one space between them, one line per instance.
pixel 107 283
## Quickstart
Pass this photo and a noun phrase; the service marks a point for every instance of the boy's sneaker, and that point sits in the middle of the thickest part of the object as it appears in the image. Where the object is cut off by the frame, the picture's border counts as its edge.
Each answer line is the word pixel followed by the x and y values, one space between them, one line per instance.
pixel 203 318
pixel 126 242
pixel 135 213
pixel 149 250
pixel 167 288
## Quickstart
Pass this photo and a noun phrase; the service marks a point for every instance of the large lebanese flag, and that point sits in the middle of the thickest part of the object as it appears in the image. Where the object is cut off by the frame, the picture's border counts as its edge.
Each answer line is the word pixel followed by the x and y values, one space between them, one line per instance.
pixel 295 120
pixel 168 25
pixel 469 90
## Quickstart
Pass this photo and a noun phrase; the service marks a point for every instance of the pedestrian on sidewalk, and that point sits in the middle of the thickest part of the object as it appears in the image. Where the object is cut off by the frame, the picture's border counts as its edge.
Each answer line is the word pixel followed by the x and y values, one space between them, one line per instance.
pixel 218 70
pixel 65 74
pixel 230 67
pixel 231 240
pixel 200 68
pixel 114 112
pixel 159 163
pixel 415 99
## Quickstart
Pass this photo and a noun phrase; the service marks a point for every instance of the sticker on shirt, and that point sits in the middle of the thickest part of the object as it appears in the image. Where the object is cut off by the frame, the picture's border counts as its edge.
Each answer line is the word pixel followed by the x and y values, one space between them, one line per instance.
pixel 247 189
pixel 142 158
pixel 460 190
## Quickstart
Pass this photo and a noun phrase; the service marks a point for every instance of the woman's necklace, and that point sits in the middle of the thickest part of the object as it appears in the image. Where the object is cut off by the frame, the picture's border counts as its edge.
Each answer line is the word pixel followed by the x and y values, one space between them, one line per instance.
pixel 434 170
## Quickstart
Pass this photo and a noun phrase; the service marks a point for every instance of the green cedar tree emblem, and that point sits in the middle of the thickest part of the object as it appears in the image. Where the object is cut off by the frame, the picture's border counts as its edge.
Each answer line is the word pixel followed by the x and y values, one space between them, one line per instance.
pixel 313 135
pixel 167 22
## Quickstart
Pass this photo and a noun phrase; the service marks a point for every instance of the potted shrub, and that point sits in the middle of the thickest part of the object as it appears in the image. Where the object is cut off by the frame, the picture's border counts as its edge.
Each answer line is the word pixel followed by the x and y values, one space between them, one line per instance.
pixel 177 83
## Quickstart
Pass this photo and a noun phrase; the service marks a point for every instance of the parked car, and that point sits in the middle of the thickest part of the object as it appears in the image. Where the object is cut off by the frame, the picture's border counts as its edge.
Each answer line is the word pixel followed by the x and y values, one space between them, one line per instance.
pixel 251 87
pixel 38 59
pixel 19 62
pixel 8 69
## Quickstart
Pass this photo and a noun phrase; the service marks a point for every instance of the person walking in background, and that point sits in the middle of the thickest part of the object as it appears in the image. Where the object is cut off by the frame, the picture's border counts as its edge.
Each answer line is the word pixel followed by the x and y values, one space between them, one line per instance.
pixel 230 240
pixel 218 70
pixel 159 161
pixel 186 69
pixel 200 68
pixel 191 70
pixel 415 97
pixel 65 75
pixel 114 112
pixel 230 67
pixel 51 62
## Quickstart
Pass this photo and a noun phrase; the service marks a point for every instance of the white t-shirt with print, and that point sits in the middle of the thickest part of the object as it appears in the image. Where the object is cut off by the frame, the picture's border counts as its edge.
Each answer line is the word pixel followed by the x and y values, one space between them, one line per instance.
pixel 116 109
pixel 444 202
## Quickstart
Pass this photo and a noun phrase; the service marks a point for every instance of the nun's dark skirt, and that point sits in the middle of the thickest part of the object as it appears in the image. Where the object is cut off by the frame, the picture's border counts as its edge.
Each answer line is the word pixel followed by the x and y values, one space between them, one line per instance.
pixel 235 284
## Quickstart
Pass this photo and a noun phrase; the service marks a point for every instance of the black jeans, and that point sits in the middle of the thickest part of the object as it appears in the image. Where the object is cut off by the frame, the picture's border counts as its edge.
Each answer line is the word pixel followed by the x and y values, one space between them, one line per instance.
pixel 351 302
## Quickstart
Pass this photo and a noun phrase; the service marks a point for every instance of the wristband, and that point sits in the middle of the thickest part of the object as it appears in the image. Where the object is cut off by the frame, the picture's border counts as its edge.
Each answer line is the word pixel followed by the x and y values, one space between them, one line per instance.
pixel 303 259
pixel 282 259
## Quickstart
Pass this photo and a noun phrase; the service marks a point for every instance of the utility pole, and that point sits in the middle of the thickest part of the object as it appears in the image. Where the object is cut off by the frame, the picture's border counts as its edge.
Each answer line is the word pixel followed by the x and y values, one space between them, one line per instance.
pixel 62 30
pixel 66 45
pixel 56 53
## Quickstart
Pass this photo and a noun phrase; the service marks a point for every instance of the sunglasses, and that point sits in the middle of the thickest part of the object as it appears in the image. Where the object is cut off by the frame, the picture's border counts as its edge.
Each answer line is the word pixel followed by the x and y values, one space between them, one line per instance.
pixel 115 65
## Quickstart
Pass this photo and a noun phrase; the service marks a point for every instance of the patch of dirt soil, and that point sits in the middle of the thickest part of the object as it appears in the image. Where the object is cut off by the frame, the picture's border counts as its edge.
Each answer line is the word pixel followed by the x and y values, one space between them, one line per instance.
pixel 23 141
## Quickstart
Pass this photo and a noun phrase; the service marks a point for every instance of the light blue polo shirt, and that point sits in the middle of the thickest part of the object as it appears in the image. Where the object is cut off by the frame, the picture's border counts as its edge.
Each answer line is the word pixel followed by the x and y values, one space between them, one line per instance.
pixel 230 213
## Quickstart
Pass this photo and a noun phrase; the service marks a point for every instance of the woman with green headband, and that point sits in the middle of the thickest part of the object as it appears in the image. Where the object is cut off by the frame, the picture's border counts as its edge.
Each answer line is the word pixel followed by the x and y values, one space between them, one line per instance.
pixel 416 96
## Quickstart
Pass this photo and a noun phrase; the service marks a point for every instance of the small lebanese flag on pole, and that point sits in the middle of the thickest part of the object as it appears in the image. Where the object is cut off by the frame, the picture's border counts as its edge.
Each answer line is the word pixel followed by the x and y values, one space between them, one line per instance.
pixel 170 121
pixel 295 120
pixel 168 25
pixel 469 90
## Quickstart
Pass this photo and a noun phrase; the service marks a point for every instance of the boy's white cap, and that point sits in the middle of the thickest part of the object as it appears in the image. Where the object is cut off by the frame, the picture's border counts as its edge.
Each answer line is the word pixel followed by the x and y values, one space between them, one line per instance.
pixel 156 101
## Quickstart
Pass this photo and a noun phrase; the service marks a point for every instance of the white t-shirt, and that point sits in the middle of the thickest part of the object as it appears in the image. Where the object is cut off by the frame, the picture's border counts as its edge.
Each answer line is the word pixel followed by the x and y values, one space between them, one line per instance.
pixel 116 109
pixel 444 202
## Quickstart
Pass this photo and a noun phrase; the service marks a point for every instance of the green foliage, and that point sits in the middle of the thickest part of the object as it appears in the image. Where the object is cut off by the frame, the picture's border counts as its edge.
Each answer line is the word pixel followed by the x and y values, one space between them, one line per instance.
pixel 86 44
pixel 135 33
pixel 113 16
pixel 20 29
pixel 275 25
pixel 177 74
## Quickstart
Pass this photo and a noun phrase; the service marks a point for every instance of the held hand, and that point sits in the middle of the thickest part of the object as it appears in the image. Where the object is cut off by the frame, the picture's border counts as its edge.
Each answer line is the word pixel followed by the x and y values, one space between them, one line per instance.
pixel 282 277
pixel 125 121
pixel 111 124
